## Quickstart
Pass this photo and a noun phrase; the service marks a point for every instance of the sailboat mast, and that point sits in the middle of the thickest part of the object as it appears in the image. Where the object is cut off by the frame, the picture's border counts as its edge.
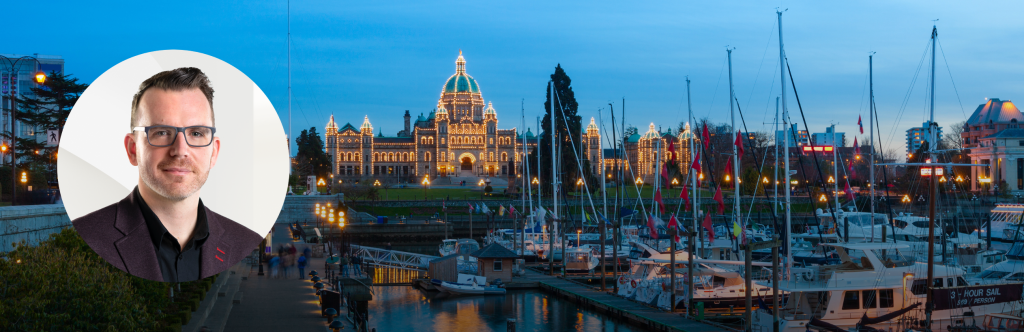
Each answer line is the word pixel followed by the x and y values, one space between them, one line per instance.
pixel 693 181
pixel 786 133
pixel 735 153
pixel 289 42
pixel 554 184
pixel 871 132
pixel 929 306
pixel 835 174
pixel 775 205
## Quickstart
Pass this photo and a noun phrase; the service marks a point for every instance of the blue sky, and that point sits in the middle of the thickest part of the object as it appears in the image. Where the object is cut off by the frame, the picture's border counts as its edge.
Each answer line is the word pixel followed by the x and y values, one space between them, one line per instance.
pixel 379 59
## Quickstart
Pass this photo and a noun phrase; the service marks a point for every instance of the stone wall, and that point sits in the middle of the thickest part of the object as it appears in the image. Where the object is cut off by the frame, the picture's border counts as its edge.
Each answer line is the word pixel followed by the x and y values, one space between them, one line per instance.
pixel 31 223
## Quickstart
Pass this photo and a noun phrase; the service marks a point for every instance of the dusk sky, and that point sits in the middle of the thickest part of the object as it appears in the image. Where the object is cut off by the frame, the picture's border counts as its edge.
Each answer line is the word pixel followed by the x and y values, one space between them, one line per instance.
pixel 379 59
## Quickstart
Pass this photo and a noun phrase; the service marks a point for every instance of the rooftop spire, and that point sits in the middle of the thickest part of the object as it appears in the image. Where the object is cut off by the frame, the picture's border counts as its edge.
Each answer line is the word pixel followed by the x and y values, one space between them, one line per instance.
pixel 366 124
pixel 460 64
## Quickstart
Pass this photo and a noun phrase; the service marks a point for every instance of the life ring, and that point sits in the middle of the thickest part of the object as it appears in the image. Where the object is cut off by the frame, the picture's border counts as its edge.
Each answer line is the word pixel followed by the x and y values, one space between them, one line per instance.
pixel 622 280
pixel 633 283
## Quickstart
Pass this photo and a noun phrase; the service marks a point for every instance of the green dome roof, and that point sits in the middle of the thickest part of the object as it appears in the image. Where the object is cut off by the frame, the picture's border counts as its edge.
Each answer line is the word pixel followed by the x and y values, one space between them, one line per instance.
pixel 461 82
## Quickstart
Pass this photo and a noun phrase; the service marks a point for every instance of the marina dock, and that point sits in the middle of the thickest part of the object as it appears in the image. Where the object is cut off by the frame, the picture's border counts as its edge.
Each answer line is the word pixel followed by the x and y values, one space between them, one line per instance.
pixel 638 314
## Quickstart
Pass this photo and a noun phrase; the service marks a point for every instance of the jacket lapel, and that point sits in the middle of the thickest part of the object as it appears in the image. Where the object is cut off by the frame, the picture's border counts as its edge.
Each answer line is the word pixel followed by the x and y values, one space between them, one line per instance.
pixel 136 247
pixel 214 252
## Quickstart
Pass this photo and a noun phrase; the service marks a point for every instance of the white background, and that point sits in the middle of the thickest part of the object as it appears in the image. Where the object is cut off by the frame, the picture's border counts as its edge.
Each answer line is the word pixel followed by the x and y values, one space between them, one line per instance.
pixel 249 181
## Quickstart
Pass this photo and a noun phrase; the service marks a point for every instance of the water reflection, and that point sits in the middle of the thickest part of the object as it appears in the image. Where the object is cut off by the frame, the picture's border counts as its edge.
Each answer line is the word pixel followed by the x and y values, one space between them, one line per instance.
pixel 403 308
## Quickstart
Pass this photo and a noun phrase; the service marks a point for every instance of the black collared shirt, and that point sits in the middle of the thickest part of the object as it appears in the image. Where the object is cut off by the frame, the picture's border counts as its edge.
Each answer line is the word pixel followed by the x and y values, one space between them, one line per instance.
pixel 177 264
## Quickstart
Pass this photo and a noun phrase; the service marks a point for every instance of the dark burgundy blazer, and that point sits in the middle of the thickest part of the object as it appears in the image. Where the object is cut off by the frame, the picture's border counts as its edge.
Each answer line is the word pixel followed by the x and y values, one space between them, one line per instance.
pixel 119 234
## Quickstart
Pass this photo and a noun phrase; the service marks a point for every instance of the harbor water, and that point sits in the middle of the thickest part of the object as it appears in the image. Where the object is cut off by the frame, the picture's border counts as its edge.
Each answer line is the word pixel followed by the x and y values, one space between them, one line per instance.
pixel 404 308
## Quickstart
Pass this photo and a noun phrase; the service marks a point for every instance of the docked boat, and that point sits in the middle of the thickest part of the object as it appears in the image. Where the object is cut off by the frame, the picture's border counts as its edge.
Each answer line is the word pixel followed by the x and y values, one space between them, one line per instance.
pixel 461 247
pixel 581 259
pixel 649 279
pixel 472 285
pixel 876 280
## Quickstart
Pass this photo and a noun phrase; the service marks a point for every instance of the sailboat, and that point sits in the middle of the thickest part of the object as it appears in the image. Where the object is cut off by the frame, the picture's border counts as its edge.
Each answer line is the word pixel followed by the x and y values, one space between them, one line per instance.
pixel 874 286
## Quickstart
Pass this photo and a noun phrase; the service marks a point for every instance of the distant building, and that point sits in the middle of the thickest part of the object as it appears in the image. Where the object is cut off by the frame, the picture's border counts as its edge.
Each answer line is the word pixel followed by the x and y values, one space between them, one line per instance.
pixel 801 137
pixel 996 141
pixel 827 138
pixel 21 82
pixel 918 135
pixel 460 138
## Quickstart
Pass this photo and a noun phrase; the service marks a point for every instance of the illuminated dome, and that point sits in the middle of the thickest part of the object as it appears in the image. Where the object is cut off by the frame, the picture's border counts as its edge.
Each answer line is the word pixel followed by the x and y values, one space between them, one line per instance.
pixel 490 109
pixel 651 133
pixel 461 82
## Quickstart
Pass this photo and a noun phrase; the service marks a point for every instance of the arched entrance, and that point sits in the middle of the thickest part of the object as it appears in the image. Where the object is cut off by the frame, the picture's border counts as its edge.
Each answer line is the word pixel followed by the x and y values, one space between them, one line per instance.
pixel 466 161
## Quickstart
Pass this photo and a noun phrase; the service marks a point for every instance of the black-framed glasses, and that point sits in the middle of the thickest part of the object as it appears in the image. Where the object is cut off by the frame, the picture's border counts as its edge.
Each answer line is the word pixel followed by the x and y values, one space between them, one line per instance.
pixel 195 136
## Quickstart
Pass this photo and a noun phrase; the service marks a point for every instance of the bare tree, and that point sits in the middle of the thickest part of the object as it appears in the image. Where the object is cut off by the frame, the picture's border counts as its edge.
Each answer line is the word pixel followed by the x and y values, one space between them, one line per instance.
pixel 951 138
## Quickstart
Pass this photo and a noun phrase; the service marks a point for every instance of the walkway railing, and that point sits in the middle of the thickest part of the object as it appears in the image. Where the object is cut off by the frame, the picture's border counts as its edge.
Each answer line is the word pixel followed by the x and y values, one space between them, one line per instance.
pixel 392 258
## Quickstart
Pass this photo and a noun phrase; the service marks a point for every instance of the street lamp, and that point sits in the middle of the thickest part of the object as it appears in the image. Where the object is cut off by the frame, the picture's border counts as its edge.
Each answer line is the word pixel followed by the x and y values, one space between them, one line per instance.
pixel 426 182
pixel 14 68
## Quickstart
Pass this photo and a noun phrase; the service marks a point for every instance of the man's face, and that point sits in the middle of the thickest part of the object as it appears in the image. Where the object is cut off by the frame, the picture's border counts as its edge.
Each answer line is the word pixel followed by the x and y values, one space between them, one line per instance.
pixel 178 171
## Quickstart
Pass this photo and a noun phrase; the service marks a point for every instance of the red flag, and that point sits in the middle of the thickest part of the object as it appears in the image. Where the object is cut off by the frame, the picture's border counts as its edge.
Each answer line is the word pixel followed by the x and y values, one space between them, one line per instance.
pixel 511 209
pixel 650 224
pixel 852 173
pixel 728 167
pixel 664 173
pixel 705 137
pixel 470 207
pixel 672 149
pixel 685 195
pixel 849 192
pixel 674 224
pixel 856 147
pixel 657 198
pixel 696 163
pixel 739 144
pixel 707 225
pixel 859 123
pixel 718 198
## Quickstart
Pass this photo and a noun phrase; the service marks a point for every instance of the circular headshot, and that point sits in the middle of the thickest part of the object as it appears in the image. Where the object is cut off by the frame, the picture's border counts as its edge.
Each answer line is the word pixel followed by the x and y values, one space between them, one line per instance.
pixel 173 166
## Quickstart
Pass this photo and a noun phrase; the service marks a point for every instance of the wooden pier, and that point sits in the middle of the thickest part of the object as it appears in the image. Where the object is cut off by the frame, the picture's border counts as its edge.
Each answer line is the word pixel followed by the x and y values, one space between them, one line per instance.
pixel 651 318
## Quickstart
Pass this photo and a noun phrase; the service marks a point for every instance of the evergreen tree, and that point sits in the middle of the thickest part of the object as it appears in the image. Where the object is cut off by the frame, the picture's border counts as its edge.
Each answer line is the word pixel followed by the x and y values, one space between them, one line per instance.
pixel 48 109
pixel 311 158
pixel 569 135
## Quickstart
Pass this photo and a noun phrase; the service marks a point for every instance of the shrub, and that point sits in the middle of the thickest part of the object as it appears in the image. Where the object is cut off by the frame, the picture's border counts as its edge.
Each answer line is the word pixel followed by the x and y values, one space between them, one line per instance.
pixel 61 282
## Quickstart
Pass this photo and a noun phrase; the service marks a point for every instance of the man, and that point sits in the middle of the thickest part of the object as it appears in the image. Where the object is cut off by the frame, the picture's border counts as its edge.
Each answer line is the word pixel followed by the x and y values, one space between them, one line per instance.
pixel 357 266
pixel 162 231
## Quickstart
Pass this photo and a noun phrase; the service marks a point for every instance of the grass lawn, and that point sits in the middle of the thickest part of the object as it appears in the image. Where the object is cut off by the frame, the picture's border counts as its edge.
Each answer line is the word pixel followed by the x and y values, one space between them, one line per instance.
pixel 417 194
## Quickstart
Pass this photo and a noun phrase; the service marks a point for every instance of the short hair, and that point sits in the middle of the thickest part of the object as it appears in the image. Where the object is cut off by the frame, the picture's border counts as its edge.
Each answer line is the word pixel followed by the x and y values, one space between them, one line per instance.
pixel 180 79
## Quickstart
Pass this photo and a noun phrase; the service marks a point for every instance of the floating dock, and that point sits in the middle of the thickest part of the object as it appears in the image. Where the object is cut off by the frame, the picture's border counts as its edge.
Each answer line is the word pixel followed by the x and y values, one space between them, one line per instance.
pixel 638 314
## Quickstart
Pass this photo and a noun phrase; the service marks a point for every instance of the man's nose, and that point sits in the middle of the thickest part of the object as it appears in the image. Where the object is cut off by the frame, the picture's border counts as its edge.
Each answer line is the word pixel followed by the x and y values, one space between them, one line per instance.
pixel 180 146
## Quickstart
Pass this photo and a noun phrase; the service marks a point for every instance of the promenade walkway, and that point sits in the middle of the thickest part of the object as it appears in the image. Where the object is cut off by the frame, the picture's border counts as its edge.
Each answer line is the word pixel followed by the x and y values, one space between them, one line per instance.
pixel 241 300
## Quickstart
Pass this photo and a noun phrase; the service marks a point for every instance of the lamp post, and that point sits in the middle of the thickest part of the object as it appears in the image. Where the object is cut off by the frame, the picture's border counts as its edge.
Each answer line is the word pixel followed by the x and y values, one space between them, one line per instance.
pixel 426 182
pixel 14 68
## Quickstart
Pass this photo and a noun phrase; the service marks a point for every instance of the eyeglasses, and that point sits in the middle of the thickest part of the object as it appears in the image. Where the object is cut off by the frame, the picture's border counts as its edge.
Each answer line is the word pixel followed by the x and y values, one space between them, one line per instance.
pixel 195 136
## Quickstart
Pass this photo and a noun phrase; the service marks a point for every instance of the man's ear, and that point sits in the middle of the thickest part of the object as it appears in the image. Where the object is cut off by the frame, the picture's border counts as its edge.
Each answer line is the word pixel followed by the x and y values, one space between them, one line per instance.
pixel 129 147
pixel 216 151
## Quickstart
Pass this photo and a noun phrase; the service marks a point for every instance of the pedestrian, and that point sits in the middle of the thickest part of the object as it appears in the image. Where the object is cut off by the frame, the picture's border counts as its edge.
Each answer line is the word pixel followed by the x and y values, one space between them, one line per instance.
pixel 342 263
pixel 274 263
pixel 302 267
pixel 388 247
pixel 285 264
pixel 357 268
